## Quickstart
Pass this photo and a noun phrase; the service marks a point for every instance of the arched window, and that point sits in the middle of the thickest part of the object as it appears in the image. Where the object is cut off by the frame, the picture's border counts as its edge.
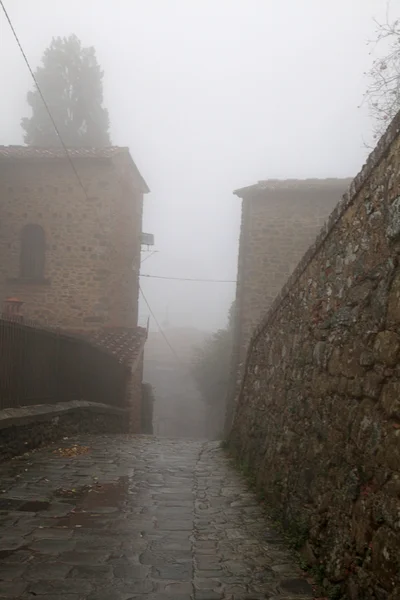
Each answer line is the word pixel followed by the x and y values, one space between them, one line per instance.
pixel 33 249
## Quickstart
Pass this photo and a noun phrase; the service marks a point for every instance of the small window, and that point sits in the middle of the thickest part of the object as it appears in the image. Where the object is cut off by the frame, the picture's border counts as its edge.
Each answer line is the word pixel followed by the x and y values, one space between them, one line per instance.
pixel 33 249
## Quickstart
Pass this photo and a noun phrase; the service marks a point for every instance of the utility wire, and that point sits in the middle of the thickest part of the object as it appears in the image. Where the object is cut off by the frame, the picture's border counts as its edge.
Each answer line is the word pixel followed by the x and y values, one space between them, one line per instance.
pixel 83 187
pixel 149 256
pixel 161 329
pixel 42 97
pixel 69 155
pixel 74 169
pixel 189 279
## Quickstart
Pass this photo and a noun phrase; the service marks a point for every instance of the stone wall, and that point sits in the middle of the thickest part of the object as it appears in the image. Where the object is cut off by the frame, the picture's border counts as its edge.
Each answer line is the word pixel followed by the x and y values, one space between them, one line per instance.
pixel 319 412
pixel 92 245
pixel 27 428
pixel 280 219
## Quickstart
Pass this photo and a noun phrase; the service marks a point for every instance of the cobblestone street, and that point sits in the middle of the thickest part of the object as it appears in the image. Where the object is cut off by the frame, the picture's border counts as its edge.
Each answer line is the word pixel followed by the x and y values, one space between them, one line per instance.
pixel 121 518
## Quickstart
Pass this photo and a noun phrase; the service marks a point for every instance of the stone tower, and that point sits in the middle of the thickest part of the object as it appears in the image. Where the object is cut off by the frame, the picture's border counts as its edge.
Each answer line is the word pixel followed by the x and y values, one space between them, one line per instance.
pixel 280 220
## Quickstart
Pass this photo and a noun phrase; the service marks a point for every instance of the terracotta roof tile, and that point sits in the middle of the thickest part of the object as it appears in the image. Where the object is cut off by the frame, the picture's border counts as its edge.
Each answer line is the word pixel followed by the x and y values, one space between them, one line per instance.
pixel 122 342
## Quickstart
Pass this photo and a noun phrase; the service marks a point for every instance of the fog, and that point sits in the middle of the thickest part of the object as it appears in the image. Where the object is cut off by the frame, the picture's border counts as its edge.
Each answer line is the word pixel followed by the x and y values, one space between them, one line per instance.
pixel 209 96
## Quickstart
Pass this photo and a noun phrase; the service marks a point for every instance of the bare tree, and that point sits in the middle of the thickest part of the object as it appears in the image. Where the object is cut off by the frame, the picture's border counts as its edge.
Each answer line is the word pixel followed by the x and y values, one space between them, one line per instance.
pixel 383 92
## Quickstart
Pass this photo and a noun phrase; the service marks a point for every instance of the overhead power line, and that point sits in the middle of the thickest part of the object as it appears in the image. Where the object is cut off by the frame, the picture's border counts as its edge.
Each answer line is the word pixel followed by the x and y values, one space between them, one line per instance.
pixel 188 279
pixel 70 158
pixel 43 98
pixel 149 256
pixel 160 328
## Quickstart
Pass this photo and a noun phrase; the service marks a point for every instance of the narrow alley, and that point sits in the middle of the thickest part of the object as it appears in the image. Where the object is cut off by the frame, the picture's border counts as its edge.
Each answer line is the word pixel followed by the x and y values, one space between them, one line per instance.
pixel 134 517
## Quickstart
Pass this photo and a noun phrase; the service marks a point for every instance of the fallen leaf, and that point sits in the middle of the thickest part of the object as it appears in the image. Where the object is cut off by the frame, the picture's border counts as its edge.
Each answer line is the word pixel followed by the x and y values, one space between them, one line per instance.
pixel 73 451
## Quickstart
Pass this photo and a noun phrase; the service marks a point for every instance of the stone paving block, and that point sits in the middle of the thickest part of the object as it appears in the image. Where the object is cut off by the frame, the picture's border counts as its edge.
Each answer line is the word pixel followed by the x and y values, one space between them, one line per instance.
pixel 47 533
pixel 54 587
pixel 12 589
pixel 297 587
pixel 10 542
pixel 46 571
pixel 173 571
pixel 10 572
pixel 95 573
pixel 29 596
pixel 175 589
pixel 131 571
pixel 81 557
pixel 175 525
pixel 163 520
pixel 49 546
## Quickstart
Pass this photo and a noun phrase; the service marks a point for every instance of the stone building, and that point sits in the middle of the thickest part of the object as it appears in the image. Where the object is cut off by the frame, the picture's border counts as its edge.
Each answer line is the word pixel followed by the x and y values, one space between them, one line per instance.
pixel 280 220
pixel 70 240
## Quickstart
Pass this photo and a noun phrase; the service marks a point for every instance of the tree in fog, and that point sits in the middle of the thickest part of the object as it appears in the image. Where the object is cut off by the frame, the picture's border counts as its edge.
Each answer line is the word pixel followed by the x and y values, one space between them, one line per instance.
pixel 71 82
pixel 211 370
pixel 383 92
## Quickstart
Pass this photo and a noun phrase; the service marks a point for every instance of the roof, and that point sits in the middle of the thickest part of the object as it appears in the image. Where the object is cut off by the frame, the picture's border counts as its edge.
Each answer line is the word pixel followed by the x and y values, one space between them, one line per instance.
pixel 39 153
pixel 122 342
pixel 276 185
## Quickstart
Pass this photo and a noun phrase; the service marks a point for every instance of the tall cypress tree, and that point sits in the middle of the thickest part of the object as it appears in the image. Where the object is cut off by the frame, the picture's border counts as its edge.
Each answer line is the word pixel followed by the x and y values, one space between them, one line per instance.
pixel 71 82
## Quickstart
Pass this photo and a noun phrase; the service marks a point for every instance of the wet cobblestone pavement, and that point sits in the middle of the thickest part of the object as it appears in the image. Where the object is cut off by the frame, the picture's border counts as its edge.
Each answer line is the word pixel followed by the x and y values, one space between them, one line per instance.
pixel 129 518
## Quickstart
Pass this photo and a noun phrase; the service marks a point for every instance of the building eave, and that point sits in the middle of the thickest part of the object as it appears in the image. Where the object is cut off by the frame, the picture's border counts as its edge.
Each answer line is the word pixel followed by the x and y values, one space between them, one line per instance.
pixel 35 153
pixel 285 185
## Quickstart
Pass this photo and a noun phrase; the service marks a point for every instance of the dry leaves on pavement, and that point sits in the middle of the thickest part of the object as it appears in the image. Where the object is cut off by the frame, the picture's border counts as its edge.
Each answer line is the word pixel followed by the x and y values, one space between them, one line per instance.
pixel 73 451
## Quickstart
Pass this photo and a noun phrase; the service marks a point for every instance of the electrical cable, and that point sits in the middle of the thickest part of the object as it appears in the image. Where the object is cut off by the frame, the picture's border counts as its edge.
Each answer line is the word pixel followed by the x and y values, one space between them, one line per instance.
pixel 43 98
pixel 188 279
pixel 71 161
pixel 161 329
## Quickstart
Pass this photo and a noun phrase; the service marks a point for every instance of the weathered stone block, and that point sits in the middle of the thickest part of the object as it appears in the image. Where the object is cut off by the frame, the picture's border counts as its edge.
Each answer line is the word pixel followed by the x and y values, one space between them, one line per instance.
pixel 372 384
pixel 321 354
pixel 354 387
pixel 360 293
pixel 393 308
pixel 393 229
pixel 390 399
pixel 386 348
pixel 386 557
pixel 335 363
pixel 367 358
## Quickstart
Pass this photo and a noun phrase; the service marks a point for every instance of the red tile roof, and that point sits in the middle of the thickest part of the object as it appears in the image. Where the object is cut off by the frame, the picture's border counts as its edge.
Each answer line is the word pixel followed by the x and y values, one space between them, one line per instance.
pixel 122 342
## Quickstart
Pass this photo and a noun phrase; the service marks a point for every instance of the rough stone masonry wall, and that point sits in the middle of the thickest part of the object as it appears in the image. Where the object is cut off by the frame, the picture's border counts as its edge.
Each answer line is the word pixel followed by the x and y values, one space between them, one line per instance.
pixel 91 243
pixel 278 225
pixel 319 412
pixel 29 427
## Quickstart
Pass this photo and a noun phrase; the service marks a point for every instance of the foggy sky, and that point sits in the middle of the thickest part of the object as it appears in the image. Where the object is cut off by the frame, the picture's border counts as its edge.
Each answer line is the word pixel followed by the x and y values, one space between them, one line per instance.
pixel 210 95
